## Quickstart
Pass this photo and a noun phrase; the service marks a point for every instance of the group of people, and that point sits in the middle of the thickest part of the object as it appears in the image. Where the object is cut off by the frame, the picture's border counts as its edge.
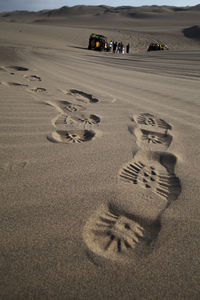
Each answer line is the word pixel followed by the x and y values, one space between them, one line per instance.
pixel 119 47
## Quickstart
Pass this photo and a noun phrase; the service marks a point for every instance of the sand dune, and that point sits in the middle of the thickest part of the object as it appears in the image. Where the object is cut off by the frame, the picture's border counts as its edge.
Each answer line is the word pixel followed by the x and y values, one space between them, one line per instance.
pixel 138 26
pixel 99 165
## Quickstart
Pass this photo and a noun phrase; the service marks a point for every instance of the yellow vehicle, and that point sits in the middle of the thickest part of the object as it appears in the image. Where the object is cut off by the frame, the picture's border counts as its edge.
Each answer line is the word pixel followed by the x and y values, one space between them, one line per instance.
pixel 98 42
pixel 154 46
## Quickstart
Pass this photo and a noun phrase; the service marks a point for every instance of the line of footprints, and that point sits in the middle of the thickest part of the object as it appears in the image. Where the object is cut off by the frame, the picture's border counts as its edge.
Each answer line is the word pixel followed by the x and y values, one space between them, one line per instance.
pixel 13 71
pixel 71 124
pixel 119 234
pixel 114 232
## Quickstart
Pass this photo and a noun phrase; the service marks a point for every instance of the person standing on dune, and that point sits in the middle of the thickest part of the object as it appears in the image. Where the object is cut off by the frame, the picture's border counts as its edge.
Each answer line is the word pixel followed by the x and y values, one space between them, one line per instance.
pixel 123 50
pixel 111 45
pixel 127 48
pixel 114 47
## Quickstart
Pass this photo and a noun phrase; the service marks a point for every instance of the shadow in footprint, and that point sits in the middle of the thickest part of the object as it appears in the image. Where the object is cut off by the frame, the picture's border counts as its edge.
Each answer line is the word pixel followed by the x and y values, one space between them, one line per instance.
pixel 118 235
pixel 14 84
pixel 69 107
pixel 84 120
pixel 82 96
pixel 32 77
pixel 152 141
pixel 151 122
pixel 71 136
pixel 16 68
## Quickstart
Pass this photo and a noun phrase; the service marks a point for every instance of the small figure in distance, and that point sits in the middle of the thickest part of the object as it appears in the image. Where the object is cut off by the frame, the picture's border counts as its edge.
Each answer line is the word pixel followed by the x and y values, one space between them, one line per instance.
pixel 114 47
pixel 127 48
pixel 119 47
pixel 123 49
pixel 111 45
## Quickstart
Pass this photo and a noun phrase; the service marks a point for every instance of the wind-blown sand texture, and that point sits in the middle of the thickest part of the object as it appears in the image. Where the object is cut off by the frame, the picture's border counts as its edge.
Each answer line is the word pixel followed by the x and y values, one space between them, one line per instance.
pixel 99 165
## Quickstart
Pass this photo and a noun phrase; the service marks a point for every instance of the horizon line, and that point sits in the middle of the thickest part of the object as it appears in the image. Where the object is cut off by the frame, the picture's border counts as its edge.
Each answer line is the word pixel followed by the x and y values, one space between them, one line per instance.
pixel 101 5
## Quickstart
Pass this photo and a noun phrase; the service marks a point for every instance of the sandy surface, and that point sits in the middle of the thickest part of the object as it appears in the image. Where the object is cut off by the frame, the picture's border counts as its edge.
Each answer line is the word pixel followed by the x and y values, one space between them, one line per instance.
pixel 100 155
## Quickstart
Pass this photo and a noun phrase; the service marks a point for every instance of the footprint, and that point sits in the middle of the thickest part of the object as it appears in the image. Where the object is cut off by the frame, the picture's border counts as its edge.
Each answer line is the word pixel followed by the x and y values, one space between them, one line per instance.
pixel 117 235
pixel 14 84
pixel 153 171
pixel 63 120
pixel 15 68
pixel 11 166
pixel 38 90
pixel 63 106
pixel 66 106
pixel 71 136
pixel 152 141
pixel 151 122
pixel 82 96
pixel 32 77
pixel 88 120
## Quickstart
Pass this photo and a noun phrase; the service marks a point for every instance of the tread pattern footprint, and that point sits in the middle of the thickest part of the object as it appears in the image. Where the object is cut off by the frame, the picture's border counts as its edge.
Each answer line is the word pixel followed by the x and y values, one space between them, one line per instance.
pixel 64 120
pixel 153 176
pixel 71 136
pixel 70 107
pixel 117 235
pixel 80 123
pixel 150 121
pixel 149 140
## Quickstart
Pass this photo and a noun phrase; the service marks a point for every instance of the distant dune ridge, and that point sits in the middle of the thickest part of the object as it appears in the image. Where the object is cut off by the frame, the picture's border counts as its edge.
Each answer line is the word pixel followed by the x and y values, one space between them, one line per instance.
pixel 175 26
pixel 127 11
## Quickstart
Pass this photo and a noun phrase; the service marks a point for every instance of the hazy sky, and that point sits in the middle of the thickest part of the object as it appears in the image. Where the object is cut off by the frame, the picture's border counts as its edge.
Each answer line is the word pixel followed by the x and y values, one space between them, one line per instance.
pixel 8 5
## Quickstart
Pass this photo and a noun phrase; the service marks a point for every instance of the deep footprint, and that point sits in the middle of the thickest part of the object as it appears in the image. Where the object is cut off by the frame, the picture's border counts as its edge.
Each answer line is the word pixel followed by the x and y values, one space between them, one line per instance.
pixel 150 121
pixel 71 136
pixel 117 235
pixel 82 96
pixel 153 171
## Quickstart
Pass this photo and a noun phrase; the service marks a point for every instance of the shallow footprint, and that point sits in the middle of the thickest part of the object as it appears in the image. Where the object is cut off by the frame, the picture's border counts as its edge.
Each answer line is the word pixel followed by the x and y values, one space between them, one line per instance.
pixel 32 77
pixel 151 122
pixel 14 165
pixel 82 96
pixel 69 107
pixel 71 136
pixel 63 120
pixel 152 141
pixel 117 235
